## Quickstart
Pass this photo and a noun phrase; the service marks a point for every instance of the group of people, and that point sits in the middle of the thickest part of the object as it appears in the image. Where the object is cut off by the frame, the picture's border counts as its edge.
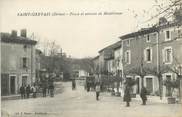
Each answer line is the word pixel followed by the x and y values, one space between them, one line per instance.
pixel 48 88
pixel 25 91
pixel 127 95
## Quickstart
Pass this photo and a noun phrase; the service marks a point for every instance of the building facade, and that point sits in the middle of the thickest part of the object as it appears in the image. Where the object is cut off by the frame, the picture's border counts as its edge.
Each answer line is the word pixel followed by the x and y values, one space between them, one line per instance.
pixel 170 49
pixel 17 62
pixel 109 58
pixel 150 52
pixel 96 64
pixel 140 53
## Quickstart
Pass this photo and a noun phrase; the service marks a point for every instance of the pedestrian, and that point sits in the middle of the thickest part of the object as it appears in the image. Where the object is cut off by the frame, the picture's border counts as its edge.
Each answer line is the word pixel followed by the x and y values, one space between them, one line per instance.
pixel 127 96
pixel 88 86
pixel 28 91
pixel 34 91
pixel 44 90
pixel 22 92
pixel 143 95
pixel 73 84
pixel 51 88
pixel 97 89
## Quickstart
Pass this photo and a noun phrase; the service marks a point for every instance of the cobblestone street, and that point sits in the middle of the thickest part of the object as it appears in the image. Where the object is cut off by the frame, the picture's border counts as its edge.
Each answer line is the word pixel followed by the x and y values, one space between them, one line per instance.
pixel 80 103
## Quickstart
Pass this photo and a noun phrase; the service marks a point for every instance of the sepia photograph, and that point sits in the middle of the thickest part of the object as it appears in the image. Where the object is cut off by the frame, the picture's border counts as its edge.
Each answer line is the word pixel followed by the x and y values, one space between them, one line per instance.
pixel 91 58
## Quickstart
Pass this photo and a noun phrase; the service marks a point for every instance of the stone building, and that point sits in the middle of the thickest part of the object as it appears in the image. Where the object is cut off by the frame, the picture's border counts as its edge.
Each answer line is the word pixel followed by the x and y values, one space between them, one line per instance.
pixel 17 62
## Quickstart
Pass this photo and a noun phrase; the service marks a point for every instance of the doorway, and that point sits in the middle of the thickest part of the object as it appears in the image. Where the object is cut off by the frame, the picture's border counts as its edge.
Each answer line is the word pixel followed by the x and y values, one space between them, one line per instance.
pixel 12 84
pixel 138 85
pixel 149 85
pixel 24 80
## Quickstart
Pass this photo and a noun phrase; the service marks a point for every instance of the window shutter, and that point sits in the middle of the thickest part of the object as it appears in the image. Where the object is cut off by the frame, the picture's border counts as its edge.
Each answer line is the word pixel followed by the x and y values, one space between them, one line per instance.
pixel 28 63
pixel 21 62
pixel 179 33
pixel 124 58
pixel 129 61
pixel 163 55
pixel 144 55
pixel 174 34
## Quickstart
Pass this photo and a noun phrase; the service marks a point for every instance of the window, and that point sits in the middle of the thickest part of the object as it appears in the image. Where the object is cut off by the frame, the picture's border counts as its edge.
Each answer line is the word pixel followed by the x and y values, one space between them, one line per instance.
pixel 24 80
pixel 25 47
pixel 128 57
pixel 127 42
pixel 179 33
pixel 168 35
pixel 25 62
pixel 167 55
pixel 148 54
pixel 148 38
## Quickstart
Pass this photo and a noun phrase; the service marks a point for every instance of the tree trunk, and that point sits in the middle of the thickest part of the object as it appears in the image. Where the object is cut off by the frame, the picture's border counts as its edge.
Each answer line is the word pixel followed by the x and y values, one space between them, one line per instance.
pixel 180 90
pixel 160 86
pixel 142 78
pixel 118 83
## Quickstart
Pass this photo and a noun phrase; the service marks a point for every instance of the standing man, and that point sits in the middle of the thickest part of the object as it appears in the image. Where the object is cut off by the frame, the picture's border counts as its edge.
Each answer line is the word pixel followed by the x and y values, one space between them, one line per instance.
pixel 97 89
pixel 73 84
pixel 34 90
pixel 22 91
pixel 127 96
pixel 143 95
pixel 28 91
pixel 44 90
pixel 51 87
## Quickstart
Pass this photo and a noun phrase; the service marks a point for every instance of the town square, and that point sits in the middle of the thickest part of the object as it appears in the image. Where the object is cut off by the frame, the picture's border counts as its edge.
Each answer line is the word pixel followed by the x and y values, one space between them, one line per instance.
pixel 100 58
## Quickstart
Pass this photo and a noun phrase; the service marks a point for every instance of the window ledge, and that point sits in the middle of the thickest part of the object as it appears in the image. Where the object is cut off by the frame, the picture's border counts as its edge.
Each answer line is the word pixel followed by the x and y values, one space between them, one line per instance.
pixel 148 61
pixel 167 63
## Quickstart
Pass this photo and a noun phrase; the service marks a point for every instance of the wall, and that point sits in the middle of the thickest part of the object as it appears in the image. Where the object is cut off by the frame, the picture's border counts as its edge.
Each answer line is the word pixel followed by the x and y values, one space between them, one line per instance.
pixel 11 55
pixel 137 46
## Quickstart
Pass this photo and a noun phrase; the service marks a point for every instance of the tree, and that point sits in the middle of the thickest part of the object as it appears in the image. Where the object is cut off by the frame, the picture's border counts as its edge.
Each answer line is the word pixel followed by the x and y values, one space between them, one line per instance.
pixel 139 71
pixel 177 69
pixel 158 71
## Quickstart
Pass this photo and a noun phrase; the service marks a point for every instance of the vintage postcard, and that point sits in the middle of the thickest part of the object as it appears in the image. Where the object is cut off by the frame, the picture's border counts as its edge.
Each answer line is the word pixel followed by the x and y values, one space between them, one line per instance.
pixel 91 58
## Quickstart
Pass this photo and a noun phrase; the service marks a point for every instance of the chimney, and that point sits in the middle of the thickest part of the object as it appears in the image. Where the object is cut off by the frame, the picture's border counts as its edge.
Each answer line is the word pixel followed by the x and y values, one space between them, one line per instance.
pixel 14 33
pixel 23 33
pixel 178 15
pixel 162 21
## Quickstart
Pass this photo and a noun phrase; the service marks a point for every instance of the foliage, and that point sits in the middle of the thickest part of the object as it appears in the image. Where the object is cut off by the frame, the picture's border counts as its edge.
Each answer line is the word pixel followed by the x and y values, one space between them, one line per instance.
pixel 130 82
pixel 171 83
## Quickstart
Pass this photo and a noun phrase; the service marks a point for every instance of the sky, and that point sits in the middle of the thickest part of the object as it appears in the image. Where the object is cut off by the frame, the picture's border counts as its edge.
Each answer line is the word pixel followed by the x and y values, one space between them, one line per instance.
pixel 78 36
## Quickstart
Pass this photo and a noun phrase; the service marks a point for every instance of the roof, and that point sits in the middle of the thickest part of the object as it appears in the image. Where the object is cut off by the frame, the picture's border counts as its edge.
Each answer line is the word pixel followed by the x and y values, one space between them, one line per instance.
pixel 7 38
pixel 95 57
pixel 151 30
pixel 140 32
pixel 113 46
pixel 117 45
pixel 170 24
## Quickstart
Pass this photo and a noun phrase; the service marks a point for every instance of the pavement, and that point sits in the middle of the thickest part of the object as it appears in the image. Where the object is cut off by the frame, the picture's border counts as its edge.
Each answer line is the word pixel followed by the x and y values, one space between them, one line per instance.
pixel 58 86
pixel 80 103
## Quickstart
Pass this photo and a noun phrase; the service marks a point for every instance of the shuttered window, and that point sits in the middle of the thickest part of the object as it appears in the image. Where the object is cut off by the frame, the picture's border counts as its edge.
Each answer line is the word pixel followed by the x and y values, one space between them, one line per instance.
pixel 24 63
